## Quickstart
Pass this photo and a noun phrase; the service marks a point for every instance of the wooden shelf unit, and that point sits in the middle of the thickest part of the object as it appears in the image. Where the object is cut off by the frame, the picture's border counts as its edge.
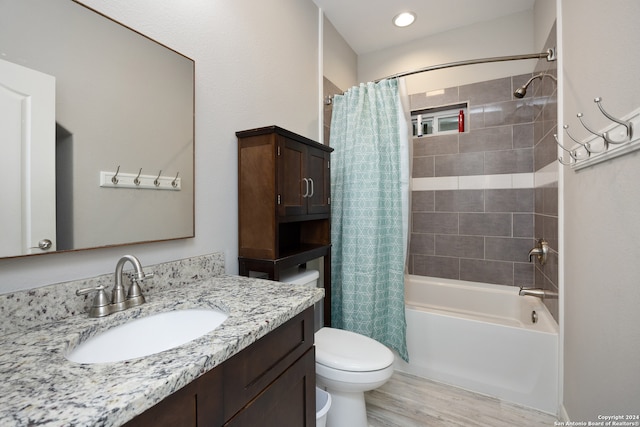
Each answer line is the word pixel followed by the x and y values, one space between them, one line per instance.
pixel 284 203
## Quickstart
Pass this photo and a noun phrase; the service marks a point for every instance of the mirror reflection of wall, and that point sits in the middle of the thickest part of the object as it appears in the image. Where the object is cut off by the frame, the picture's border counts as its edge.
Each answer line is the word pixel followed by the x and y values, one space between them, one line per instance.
pixel 121 99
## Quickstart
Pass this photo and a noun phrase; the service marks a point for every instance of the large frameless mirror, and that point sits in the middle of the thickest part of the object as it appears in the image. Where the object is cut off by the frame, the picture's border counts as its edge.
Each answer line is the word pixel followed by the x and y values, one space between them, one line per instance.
pixel 98 132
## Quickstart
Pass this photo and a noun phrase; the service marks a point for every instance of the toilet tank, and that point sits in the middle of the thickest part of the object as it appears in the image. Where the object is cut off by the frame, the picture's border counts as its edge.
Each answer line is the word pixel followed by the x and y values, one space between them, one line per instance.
pixel 300 276
pixel 303 277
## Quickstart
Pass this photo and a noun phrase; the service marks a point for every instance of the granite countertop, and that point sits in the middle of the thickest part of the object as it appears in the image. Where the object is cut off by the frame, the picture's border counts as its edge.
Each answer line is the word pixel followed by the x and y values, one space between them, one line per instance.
pixel 39 386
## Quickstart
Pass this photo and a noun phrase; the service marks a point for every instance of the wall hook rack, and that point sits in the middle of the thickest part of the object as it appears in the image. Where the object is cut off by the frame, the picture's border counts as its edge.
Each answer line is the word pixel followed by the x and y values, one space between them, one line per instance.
pixel 587 146
pixel 627 125
pixel 572 153
pixel 136 180
pixel 114 178
pixel 599 135
pixel 616 140
pixel 139 181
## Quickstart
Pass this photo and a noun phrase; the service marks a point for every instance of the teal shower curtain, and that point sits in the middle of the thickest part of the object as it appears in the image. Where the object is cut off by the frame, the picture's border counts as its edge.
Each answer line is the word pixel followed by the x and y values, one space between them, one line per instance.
pixel 368 252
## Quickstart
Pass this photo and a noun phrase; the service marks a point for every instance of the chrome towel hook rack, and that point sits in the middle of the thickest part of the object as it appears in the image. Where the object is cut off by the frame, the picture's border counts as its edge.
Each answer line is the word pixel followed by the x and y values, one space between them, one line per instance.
pixel 572 153
pixel 582 144
pixel 615 140
pixel 137 180
pixel 627 125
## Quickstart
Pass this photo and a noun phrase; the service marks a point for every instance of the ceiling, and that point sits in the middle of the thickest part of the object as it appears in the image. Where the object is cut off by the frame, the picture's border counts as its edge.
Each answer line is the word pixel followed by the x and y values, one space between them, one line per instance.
pixel 366 24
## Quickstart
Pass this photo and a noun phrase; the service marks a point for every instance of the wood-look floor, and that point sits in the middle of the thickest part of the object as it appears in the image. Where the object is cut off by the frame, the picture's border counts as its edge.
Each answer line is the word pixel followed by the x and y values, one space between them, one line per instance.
pixel 409 401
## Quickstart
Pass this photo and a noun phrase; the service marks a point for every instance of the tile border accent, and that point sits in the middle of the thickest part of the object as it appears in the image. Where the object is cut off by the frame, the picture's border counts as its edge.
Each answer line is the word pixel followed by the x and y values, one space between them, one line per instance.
pixel 474 182
pixel 547 175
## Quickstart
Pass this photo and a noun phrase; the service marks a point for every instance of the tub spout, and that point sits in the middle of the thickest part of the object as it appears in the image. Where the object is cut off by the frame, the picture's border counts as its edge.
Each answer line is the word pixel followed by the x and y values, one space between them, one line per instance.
pixel 537 292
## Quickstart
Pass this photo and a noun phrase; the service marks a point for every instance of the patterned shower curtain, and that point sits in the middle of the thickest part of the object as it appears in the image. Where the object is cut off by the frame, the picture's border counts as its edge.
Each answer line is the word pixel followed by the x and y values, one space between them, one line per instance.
pixel 367 208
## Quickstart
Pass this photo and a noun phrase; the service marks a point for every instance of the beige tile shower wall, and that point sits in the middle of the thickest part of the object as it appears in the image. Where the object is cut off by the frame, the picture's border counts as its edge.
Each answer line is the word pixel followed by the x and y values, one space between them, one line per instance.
pixel 483 230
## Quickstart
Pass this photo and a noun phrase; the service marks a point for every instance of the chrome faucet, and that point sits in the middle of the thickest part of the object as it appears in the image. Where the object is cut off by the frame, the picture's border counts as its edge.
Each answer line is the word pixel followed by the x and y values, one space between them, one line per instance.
pixel 103 305
pixel 134 296
pixel 540 250
pixel 537 292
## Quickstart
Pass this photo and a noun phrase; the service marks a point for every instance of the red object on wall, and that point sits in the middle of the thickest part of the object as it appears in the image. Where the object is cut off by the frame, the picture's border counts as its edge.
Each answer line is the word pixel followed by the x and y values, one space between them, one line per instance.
pixel 461 121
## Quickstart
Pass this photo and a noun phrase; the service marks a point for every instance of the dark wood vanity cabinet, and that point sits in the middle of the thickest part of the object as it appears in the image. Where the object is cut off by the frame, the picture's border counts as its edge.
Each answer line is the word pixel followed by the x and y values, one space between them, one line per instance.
pixel 284 203
pixel 270 383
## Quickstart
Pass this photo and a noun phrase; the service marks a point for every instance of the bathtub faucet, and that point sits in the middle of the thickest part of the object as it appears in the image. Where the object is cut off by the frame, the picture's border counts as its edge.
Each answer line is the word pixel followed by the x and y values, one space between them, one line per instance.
pixel 537 292
pixel 540 250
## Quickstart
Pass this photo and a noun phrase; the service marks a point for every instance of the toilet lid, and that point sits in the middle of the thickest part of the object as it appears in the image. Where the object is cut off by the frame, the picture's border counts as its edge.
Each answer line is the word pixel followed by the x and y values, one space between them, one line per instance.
pixel 348 351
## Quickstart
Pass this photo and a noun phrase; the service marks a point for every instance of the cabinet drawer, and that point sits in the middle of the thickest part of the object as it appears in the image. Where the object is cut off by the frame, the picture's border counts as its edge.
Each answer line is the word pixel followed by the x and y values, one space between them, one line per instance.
pixel 288 401
pixel 254 368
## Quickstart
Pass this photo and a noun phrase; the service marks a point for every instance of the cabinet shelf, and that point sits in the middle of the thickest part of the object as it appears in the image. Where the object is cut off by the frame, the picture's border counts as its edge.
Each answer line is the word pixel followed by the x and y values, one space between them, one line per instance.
pixel 289 259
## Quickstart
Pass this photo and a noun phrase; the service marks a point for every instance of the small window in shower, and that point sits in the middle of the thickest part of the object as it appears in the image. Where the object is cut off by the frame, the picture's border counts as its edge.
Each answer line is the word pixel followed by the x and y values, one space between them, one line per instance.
pixel 439 120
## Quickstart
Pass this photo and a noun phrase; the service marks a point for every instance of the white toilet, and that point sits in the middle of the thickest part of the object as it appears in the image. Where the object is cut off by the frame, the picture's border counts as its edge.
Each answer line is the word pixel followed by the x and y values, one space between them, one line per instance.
pixel 347 365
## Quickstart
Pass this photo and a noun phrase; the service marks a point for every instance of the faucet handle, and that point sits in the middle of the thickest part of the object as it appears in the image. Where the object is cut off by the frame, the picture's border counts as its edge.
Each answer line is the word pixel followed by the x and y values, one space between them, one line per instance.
pixel 133 276
pixel 134 295
pixel 540 251
pixel 100 304
pixel 102 294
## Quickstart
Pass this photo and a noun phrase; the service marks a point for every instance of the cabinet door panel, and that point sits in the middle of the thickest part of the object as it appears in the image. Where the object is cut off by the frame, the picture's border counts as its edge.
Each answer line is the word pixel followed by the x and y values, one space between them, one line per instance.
pixel 318 172
pixel 177 410
pixel 210 397
pixel 291 186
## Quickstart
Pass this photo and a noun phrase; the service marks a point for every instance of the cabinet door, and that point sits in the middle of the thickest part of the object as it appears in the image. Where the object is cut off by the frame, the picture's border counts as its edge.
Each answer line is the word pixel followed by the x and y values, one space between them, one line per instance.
pixel 287 401
pixel 303 181
pixel 177 410
pixel 318 174
pixel 292 184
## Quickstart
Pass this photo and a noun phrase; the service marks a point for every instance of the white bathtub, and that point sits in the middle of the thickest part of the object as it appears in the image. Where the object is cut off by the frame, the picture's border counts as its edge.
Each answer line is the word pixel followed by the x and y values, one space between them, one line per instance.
pixel 481 337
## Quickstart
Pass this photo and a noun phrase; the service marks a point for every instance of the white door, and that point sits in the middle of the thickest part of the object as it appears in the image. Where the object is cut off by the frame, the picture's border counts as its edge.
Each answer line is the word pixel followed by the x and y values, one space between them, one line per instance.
pixel 27 160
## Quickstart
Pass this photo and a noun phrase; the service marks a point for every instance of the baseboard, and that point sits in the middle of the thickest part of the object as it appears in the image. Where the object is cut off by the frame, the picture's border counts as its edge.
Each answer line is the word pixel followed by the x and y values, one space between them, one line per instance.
pixel 562 414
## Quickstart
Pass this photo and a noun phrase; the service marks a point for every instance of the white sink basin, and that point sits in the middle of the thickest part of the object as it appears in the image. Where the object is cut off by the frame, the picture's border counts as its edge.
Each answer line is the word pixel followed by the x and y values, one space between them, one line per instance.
pixel 147 335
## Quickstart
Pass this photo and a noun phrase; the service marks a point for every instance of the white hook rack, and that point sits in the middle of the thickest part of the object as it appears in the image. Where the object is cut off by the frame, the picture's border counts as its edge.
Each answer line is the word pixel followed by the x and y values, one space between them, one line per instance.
pixel 139 181
pixel 619 138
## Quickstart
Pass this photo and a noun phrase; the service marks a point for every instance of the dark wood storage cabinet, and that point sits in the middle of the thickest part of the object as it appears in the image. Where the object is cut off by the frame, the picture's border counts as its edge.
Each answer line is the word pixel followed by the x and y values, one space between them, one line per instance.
pixel 284 203
pixel 271 383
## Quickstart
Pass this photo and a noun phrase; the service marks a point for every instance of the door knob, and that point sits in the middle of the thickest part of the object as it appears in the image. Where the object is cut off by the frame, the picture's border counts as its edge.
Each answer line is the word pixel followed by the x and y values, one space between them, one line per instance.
pixel 45 244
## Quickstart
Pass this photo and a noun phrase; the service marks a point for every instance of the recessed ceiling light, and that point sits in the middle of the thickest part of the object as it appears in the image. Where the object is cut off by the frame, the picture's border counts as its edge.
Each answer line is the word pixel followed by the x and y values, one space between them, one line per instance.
pixel 404 19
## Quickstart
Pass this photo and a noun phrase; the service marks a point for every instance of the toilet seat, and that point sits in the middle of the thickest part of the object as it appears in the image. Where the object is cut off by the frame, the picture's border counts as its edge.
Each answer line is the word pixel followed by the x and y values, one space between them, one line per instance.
pixel 349 351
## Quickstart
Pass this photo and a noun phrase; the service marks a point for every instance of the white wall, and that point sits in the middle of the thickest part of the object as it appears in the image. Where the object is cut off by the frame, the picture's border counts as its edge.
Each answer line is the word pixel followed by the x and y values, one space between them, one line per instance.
pixel 256 65
pixel 509 35
pixel 340 62
pixel 601 203
pixel 544 15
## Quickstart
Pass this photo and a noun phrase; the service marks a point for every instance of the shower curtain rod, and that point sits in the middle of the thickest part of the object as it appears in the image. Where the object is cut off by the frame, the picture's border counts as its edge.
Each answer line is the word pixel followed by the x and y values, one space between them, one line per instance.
pixel 550 55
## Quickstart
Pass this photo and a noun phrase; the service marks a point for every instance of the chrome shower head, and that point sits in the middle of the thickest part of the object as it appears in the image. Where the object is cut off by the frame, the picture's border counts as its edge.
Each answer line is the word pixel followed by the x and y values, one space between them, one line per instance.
pixel 522 90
